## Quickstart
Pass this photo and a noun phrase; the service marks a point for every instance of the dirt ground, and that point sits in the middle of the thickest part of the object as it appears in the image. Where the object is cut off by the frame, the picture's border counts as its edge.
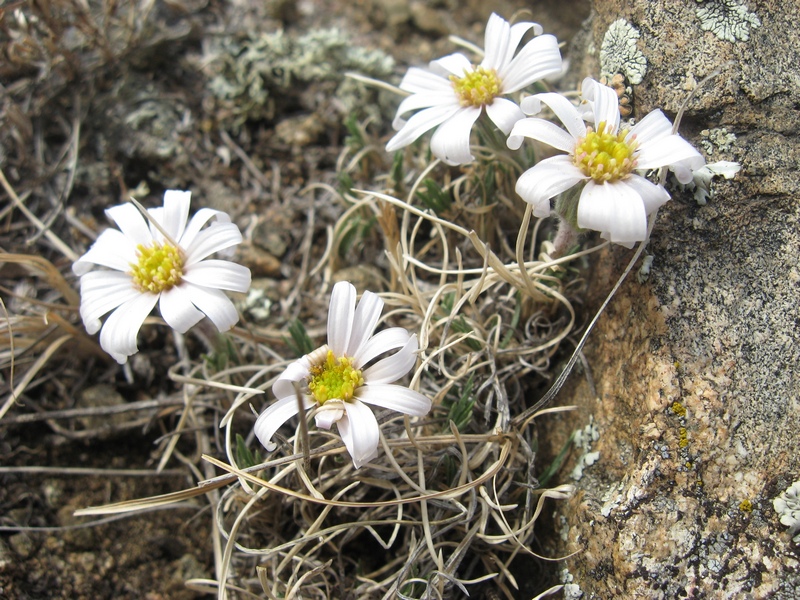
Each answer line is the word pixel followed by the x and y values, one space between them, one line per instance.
pixel 100 100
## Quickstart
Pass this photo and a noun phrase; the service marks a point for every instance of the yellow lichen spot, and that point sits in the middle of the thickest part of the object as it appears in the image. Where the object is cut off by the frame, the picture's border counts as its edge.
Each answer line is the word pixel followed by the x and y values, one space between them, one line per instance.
pixel 679 409
pixel 335 379
pixel 160 267
pixel 477 88
pixel 746 506
pixel 689 464
pixel 605 156
pixel 683 438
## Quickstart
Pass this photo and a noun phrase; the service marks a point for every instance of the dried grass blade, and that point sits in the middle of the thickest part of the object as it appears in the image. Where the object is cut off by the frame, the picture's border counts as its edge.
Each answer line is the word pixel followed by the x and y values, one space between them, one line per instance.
pixel 51 274
pixel 31 373
pixel 493 469
pixel 52 237
pixel 144 503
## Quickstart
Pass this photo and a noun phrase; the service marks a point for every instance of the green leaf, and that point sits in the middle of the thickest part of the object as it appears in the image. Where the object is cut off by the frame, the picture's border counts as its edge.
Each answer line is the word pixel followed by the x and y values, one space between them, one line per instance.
pixel 431 194
pixel 555 466
pixel 355 139
pixel 244 457
pixel 299 342
pixel 223 355
pixel 345 182
pixel 514 322
pixel 460 325
pixel 460 409
pixel 447 302
pixel 397 170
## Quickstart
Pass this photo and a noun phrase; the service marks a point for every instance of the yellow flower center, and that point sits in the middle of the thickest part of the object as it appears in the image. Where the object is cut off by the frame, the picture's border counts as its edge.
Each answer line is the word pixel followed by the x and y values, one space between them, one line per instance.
pixel 605 156
pixel 476 88
pixel 160 267
pixel 335 379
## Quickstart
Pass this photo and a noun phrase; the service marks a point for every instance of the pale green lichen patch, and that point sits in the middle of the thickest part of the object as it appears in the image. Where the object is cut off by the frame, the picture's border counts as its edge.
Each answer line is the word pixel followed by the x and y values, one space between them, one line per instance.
pixel 727 19
pixel 250 75
pixel 701 178
pixel 571 590
pixel 583 440
pixel 787 505
pixel 620 53
pixel 718 139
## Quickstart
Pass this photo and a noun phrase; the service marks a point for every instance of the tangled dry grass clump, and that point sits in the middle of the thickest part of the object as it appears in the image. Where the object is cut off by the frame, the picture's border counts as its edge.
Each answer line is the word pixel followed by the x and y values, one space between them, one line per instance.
pixel 451 502
pixel 452 499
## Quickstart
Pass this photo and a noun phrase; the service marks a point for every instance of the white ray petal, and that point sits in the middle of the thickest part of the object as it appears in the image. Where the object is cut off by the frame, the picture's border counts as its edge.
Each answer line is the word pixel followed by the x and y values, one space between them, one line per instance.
pixel 653 126
pixel 561 107
pixel 683 172
pixel 452 64
pixel 176 212
pixel 538 59
pixel 383 341
pixel 196 223
pixel 341 313
pixel 653 196
pixel 274 416
pixel 628 221
pixel 215 304
pixel 131 222
pixel 216 237
pixel 112 249
pixel 177 309
pixel 421 122
pixel 543 131
pixel 118 335
pixel 423 81
pixel 546 180
pixel 516 34
pixel 102 291
pixel 423 100
pixel 156 214
pixel 360 432
pixel 395 397
pixel 329 413
pixel 221 274
pixel 295 372
pixel 504 113
pixel 450 142
pixel 605 103
pixel 366 318
pixel 595 206
pixel 615 208
pixel 496 42
pixel 668 150
pixel 394 367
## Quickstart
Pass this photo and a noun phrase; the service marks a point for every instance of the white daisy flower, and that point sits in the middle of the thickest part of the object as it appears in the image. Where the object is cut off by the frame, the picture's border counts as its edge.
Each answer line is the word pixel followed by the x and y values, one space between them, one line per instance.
pixel 148 268
pixel 454 92
pixel 334 381
pixel 614 200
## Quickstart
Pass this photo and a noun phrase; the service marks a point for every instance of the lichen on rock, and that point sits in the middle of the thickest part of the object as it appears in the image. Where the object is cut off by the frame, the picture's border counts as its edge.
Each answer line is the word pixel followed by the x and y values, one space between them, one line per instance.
pixel 693 384
pixel 619 52
pixel 727 19
pixel 787 505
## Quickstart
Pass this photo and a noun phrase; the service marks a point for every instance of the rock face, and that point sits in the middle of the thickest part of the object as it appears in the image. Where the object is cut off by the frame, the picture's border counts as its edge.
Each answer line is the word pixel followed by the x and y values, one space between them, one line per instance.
pixel 696 410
